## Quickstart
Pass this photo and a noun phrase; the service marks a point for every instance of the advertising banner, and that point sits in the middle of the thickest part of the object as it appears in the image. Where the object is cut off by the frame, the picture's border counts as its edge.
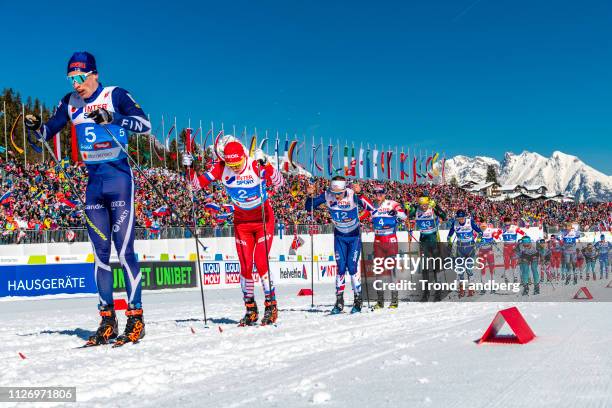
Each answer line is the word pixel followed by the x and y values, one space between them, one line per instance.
pixel 160 275
pixel 38 280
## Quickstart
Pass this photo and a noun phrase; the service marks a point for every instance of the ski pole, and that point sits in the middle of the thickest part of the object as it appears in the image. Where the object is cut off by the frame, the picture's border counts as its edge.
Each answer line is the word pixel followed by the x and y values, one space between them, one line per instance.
pixel 263 218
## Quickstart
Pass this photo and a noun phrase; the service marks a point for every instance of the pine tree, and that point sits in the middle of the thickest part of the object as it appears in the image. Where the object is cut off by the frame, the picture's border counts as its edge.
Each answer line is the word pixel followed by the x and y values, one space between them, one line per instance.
pixel 491 174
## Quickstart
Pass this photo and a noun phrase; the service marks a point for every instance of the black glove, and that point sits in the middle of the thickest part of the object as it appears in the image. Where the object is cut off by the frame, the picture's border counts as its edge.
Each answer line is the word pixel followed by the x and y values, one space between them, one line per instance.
pixel 392 213
pixel 32 122
pixel 101 116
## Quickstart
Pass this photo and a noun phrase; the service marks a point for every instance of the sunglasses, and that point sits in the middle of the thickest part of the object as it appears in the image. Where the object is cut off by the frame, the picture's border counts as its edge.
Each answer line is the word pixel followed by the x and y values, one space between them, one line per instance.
pixel 79 78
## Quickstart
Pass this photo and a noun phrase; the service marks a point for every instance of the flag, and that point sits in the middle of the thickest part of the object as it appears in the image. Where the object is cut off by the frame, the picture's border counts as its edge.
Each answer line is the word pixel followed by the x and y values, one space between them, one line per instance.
pixel 414 169
pixel 361 162
pixel 68 203
pixel 330 160
pixel 5 197
pixel 188 141
pixel 353 162
pixel 375 164
pixel 276 153
pixel 228 207
pixel 212 207
pixel 389 155
pixel 346 161
pixel 161 211
pixel 402 160
pixel 367 164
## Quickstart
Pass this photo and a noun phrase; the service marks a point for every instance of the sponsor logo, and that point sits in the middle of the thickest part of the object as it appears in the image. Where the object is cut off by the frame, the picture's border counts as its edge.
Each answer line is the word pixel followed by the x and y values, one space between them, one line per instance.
pixel 232 156
pixel 106 94
pixel 294 273
pixel 102 145
pixel 94 207
pixel 93 107
pixel 232 272
pixel 212 273
pixel 328 270
pixel 116 204
pixel 122 218
pixel 77 65
pixel 86 147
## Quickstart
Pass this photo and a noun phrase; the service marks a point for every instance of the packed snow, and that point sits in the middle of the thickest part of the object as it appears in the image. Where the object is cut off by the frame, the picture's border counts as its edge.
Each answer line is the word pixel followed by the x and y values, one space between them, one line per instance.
pixel 420 355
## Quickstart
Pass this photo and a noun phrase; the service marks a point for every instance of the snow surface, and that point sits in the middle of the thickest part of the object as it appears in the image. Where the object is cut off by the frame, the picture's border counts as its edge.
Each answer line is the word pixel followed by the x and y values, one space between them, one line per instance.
pixel 421 355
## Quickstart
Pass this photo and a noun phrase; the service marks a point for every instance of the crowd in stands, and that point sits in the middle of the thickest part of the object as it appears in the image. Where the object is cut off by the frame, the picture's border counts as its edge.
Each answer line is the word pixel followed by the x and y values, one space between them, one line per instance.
pixel 39 197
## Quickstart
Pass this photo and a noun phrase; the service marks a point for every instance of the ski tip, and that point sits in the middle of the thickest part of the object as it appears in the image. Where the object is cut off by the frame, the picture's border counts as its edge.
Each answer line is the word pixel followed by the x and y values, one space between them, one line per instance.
pixel 220 329
pixel 192 331
pixel 23 357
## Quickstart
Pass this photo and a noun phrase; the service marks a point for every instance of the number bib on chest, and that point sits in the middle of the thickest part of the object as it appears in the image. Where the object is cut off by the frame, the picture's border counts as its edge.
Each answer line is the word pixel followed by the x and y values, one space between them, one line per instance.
pixel 244 189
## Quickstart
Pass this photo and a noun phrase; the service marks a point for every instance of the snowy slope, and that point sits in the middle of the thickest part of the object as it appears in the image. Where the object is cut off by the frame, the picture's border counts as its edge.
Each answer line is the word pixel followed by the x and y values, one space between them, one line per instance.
pixel 559 173
pixel 421 355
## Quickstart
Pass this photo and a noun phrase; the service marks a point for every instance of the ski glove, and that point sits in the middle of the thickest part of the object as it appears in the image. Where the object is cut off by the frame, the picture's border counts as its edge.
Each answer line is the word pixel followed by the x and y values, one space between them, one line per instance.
pixel 32 122
pixel 259 156
pixel 101 116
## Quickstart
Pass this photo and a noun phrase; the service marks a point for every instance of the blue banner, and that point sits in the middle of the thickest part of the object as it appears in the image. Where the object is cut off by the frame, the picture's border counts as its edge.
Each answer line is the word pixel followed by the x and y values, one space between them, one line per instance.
pixel 38 280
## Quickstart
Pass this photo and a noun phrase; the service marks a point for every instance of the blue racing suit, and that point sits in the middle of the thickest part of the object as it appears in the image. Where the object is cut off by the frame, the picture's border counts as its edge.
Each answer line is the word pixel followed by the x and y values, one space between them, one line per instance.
pixel 109 198
pixel 603 250
pixel 347 233
pixel 466 242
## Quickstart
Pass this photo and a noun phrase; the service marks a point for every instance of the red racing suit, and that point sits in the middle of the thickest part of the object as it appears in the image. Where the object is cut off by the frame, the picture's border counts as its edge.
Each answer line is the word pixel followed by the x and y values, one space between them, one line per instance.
pixel 245 191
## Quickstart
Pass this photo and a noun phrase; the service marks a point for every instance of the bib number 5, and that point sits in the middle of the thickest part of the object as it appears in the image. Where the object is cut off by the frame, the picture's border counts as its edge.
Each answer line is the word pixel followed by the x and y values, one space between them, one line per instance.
pixel 90 136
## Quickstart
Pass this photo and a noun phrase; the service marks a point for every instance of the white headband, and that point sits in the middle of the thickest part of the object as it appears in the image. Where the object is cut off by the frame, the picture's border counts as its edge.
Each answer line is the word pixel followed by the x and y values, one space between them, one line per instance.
pixel 338 185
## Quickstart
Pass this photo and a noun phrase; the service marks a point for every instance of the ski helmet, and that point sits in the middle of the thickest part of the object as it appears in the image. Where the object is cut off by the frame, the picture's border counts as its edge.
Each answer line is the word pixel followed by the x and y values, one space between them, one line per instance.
pixel 379 189
pixel 424 201
pixel 526 239
pixel 234 155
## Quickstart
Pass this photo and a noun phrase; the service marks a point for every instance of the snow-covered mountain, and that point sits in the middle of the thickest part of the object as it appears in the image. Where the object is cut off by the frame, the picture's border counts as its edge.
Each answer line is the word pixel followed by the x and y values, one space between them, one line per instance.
pixel 560 173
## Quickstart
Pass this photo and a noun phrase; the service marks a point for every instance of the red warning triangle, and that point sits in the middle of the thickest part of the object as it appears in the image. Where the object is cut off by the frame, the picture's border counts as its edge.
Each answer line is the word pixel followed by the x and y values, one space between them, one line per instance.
pixel 522 332
pixel 583 291
pixel 305 292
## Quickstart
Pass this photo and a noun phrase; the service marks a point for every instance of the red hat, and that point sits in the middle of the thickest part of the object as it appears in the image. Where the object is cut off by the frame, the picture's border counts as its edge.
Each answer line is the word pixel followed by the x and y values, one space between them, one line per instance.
pixel 233 153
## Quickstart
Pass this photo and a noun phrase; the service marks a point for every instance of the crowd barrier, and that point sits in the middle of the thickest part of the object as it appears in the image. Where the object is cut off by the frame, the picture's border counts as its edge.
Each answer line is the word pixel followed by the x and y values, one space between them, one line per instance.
pixel 61 268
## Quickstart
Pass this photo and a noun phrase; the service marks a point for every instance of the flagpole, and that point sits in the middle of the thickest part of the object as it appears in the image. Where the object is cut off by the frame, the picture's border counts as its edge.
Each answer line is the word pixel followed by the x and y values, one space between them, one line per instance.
pixel 137 149
pixel 164 141
pixel 202 147
pixel 41 118
pixel 177 147
pixel 25 149
pixel 5 134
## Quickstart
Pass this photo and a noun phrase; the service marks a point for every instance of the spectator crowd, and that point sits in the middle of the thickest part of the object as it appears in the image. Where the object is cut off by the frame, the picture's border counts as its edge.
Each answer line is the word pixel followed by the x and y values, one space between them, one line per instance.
pixel 38 197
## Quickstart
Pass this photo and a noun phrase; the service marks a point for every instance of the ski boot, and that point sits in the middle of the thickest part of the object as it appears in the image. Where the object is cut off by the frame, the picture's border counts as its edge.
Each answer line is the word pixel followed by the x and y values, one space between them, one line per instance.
pixel 525 289
pixel 437 296
pixel 461 292
pixel 107 330
pixel 134 328
pixel 380 300
pixel 394 300
pixel 567 279
pixel 339 306
pixel 575 279
pixel 270 313
pixel 357 304
pixel 425 296
pixel 470 292
pixel 251 315
pixel 514 279
pixel 536 289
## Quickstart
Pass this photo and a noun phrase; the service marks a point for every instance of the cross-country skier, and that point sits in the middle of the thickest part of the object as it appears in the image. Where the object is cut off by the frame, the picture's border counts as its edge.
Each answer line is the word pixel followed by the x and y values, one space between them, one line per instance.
pixel 467 231
pixel 570 237
pixel 590 256
pixel 426 214
pixel 485 250
pixel 385 217
pixel 603 250
pixel 242 177
pixel 109 198
pixel 510 233
pixel 556 251
pixel 545 255
pixel 343 204
pixel 527 255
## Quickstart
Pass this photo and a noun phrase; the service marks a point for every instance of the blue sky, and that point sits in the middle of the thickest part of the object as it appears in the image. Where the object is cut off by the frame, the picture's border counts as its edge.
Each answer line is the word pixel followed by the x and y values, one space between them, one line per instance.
pixel 465 76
